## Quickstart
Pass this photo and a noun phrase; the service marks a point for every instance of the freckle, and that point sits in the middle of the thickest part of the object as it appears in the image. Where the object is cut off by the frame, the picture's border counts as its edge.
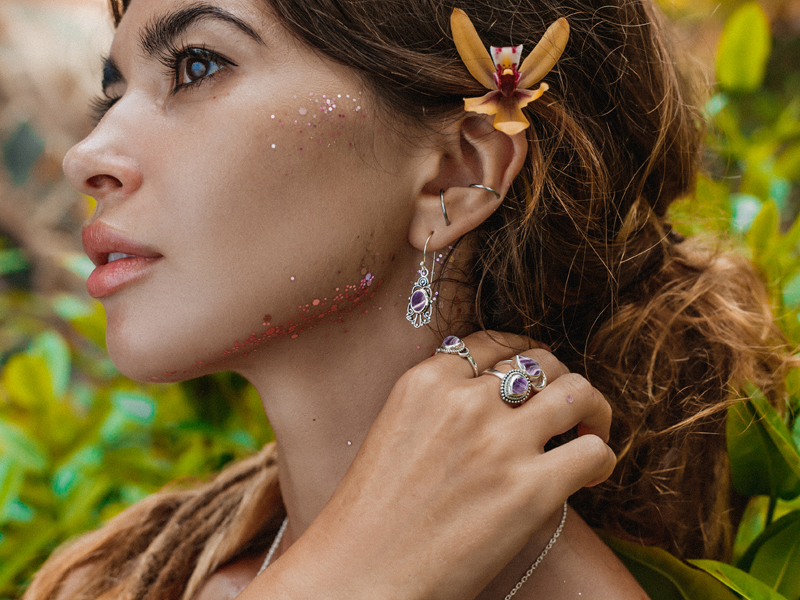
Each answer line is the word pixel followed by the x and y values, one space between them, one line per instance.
pixel 570 399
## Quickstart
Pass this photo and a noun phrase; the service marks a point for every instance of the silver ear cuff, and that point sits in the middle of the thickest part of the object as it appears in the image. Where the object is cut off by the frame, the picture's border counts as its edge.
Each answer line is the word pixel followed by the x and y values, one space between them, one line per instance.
pixel 472 185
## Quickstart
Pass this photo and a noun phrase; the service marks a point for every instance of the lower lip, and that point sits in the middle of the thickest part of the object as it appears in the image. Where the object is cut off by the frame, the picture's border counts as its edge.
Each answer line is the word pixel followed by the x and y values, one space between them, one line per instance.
pixel 110 278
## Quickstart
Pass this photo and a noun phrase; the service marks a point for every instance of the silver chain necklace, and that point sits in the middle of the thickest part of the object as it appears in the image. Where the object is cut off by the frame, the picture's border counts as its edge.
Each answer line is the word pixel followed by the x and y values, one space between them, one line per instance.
pixel 520 583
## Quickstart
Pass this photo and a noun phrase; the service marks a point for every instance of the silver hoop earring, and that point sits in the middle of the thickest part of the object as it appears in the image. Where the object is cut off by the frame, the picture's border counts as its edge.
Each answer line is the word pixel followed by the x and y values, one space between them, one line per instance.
pixel 483 187
pixel 420 303
pixel 444 210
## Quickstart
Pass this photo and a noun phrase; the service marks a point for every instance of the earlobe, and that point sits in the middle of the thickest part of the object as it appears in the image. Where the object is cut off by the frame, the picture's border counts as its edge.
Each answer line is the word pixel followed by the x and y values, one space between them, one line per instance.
pixel 475 171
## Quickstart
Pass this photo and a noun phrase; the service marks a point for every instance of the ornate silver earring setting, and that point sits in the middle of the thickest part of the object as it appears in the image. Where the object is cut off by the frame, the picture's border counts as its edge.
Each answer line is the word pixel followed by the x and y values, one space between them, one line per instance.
pixel 420 303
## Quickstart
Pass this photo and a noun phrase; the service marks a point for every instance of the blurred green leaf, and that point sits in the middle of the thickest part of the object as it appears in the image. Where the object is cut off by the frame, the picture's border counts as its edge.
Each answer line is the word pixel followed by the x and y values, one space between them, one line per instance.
pixel 774 556
pixel 763 229
pixel 744 48
pixel 742 583
pixel 663 576
pixel 788 163
pixel 763 457
pixel 13 261
pixel 27 380
pixel 753 523
pixel 791 291
pixel 745 208
pixel 135 405
pixel 20 447
pixel 79 264
pixel 12 477
pixel 53 348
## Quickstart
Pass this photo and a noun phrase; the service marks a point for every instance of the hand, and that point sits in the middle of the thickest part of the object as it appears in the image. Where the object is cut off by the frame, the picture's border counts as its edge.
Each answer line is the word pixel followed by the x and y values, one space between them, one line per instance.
pixel 450 483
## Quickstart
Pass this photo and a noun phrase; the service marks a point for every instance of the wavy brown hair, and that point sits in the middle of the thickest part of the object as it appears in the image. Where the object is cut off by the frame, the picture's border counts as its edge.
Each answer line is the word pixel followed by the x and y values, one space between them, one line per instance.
pixel 580 257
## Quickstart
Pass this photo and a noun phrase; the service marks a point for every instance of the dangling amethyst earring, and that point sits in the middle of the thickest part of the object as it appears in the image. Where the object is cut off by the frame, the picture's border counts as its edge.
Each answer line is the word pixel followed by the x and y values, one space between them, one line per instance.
pixel 421 300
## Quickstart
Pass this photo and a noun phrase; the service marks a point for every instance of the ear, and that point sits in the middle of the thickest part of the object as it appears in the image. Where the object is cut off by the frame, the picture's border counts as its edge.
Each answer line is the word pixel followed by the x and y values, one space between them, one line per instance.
pixel 473 153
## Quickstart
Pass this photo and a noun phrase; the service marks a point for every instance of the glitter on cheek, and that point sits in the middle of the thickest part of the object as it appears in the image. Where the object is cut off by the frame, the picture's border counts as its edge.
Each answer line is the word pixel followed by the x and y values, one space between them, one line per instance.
pixel 303 111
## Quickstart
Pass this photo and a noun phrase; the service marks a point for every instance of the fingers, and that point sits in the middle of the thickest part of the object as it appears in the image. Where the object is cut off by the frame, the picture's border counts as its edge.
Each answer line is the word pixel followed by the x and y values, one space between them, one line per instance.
pixel 488 348
pixel 582 462
pixel 568 401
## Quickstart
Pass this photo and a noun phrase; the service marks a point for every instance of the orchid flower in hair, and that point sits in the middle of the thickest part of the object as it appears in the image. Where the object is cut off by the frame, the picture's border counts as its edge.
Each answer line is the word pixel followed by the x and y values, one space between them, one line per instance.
pixel 499 70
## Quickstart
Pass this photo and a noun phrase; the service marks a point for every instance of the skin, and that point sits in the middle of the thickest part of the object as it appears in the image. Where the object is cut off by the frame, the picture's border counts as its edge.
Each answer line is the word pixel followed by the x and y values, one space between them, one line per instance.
pixel 250 236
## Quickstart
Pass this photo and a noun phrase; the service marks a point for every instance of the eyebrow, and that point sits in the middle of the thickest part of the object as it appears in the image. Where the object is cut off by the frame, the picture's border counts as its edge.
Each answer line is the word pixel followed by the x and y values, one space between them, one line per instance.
pixel 159 34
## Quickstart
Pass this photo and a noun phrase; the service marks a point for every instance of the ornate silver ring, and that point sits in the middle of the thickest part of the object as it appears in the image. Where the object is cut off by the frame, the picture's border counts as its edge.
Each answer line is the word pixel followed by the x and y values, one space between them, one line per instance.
pixel 455 345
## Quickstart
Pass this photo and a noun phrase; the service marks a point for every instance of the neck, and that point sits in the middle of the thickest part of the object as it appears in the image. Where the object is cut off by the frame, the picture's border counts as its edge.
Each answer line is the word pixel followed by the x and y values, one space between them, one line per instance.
pixel 322 393
pixel 323 390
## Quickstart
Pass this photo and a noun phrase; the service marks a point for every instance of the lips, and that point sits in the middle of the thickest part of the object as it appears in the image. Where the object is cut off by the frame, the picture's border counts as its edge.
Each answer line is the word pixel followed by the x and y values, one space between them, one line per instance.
pixel 119 260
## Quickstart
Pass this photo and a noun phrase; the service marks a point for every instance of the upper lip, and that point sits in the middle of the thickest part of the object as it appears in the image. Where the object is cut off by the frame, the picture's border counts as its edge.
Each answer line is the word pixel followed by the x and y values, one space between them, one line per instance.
pixel 100 240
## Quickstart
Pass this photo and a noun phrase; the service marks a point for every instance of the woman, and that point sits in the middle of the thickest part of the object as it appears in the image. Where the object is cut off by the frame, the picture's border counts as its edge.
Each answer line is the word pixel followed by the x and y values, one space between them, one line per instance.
pixel 275 180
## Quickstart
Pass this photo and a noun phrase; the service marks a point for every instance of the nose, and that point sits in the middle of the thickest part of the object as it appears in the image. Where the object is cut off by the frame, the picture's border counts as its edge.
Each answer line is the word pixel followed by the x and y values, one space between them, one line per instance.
pixel 99 167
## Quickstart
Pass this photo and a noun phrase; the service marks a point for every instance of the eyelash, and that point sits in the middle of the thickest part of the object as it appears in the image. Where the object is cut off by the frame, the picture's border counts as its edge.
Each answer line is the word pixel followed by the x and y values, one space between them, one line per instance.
pixel 174 60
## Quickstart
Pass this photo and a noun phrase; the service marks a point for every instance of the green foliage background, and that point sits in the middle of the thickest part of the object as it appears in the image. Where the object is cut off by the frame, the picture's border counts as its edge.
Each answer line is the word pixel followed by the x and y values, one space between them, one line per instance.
pixel 79 442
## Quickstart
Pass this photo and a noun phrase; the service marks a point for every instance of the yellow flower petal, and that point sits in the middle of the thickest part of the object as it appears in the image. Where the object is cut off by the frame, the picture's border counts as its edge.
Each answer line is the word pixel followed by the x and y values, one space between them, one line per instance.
pixel 525 97
pixel 471 49
pixel 545 55
pixel 485 105
pixel 509 118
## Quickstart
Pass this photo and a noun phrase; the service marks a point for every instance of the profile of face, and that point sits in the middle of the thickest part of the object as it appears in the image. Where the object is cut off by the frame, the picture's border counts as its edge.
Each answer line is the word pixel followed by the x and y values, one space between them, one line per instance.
pixel 247 193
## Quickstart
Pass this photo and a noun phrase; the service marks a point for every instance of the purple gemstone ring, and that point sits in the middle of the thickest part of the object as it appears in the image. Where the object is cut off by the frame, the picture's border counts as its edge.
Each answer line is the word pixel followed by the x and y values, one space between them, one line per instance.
pixel 455 345
pixel 515 385
pixel 533 369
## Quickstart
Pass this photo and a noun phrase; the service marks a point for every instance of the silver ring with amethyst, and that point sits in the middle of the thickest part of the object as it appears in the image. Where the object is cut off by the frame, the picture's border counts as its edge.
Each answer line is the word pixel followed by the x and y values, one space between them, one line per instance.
pixel 455 345
pixel 515 385
pixel 531 367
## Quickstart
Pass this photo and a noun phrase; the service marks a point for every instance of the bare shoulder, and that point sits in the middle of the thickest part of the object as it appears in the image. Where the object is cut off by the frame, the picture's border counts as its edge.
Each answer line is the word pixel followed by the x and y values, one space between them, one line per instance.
pixel 228 581
pixel 597 573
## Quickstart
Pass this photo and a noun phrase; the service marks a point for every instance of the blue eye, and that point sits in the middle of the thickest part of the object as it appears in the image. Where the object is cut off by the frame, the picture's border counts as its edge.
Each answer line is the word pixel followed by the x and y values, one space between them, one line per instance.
pixel 197 66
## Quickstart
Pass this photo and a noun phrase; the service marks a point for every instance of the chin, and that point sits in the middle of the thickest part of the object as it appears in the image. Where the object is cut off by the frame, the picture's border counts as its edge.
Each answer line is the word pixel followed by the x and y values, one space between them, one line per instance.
pixel 151 361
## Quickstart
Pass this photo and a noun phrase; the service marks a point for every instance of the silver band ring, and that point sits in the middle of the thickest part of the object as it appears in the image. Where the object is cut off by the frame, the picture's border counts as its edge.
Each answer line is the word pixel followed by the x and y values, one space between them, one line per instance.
pixel 455 345
pixel 531 367
pixel 515 385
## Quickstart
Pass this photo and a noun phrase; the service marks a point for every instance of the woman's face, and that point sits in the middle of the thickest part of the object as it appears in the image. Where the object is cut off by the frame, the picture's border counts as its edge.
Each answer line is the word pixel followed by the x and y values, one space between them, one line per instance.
pixel 249 179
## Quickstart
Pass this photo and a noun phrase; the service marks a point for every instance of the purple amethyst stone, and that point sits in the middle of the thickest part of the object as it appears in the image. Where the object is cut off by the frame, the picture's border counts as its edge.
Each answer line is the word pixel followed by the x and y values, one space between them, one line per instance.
pixel 530 366
pixel 519 385
pixel 451 340
pixel 419 301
